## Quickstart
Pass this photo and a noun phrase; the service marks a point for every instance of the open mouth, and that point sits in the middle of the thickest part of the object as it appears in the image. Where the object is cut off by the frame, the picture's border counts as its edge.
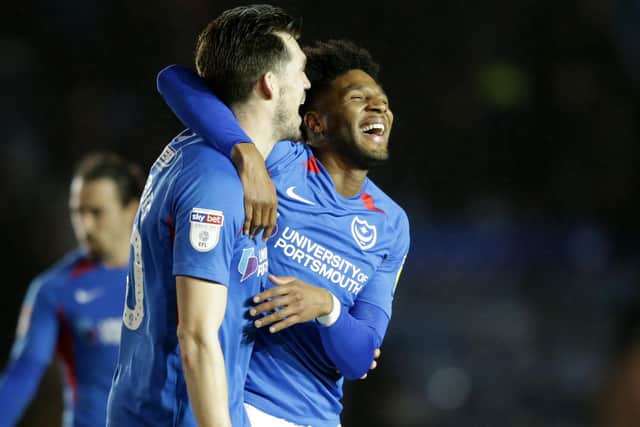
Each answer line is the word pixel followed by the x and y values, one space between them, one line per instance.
pixel 376 129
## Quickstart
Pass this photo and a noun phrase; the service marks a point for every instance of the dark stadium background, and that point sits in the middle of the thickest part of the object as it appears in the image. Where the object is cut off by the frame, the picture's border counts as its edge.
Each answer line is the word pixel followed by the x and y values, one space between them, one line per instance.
pixel 514 151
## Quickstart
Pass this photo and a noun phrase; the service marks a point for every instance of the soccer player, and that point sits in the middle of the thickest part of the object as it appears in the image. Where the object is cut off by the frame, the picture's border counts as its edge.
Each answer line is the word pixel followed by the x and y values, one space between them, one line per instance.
pixel 186 339
pixel 75 307
pixel 336 229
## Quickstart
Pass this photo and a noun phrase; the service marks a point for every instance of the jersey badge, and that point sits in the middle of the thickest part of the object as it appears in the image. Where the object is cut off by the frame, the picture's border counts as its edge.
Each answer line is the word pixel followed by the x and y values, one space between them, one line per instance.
pixel 204 229
pixel 363 233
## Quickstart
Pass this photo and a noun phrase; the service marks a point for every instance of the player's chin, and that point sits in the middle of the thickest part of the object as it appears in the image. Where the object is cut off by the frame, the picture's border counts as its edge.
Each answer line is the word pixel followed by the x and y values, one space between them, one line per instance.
pixel 94 249
pixel 374 150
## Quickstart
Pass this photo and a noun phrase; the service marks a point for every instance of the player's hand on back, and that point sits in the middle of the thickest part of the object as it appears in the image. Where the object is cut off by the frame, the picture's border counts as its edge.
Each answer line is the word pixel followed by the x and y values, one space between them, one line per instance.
pixel 374 362
pixel 294 300
pixel 260 200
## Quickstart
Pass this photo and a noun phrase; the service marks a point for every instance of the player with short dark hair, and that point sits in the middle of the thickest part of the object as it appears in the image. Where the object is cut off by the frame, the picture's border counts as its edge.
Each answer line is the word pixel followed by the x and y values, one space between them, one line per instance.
pixel 336 229
pixel 186 341
pixel 74 308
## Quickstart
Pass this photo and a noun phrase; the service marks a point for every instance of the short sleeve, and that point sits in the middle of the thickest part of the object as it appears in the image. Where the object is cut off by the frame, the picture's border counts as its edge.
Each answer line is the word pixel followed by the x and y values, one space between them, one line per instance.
pixel 207 216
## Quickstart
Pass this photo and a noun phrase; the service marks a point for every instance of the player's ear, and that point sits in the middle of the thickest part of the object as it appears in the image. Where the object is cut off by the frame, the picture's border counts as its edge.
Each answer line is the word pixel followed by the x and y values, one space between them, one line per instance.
pixel 267 85
pixel 313 122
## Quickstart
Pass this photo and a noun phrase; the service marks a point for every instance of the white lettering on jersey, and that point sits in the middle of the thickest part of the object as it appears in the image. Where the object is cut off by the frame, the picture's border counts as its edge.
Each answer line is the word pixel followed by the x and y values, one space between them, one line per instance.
pixel 146 199
pixel 321 261
pixel 167 156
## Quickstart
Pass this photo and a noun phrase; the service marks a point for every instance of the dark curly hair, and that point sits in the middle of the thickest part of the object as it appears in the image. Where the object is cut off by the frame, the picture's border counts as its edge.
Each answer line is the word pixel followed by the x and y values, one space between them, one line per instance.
pixel 327 60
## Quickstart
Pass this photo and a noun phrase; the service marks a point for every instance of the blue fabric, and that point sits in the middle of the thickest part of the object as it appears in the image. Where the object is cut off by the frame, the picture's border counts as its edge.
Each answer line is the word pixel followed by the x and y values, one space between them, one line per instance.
pixel 188 223
pixel 75 307
pixel 354 247
pixel 189 94
pixel 352 339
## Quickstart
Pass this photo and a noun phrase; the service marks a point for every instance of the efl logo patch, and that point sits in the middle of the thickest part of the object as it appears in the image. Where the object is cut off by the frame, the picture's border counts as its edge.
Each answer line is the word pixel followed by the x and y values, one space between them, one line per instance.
pixel 204 229
pixel 364 234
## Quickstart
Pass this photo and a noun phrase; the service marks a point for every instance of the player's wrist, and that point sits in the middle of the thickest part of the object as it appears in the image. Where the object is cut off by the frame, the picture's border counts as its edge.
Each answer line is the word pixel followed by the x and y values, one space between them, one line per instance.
pixel 244 154
pixel 333 314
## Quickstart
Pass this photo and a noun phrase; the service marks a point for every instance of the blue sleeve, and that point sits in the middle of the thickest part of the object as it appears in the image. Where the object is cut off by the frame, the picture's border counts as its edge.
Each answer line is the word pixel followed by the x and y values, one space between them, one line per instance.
pixel 352 339
pixel 36 337
pixel 381 287
pixel 208 214
pixel 199 109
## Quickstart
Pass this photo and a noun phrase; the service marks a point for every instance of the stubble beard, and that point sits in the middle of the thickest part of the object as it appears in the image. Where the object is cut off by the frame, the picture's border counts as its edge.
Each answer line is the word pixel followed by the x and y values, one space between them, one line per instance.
pixel 284 125
pixel 356 155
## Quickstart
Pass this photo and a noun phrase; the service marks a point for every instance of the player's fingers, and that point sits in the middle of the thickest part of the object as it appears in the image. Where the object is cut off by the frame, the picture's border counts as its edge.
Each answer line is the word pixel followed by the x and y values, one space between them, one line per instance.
pixel 363 377
pixel 248 216
pixel 373 366
pixel 256 222
pixel 270 305
pixel 274 292
pixel 271 223
pixel 272 318
pixel 284 324
pixel 281 280
pixel 267 233
pixel 376 353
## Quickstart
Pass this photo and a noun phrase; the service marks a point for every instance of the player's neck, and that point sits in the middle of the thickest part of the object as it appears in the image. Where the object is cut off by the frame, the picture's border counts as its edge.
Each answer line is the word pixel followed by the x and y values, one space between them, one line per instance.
pixel 347 178
pixel 258 125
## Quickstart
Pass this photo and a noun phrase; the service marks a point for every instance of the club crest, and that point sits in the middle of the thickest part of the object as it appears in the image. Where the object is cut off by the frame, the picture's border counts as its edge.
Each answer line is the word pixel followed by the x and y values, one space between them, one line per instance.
pixel 364 234
pixel 204 229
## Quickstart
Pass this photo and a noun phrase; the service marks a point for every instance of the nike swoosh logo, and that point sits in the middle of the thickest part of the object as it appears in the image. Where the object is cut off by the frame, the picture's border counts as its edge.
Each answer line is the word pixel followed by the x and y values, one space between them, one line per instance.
pixel 84 297
pixel 290 192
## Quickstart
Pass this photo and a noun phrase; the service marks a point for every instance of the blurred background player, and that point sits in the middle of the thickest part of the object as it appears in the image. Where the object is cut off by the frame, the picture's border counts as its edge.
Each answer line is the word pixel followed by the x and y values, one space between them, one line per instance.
pixel 192 270
pixel 75 307
pixel 336 229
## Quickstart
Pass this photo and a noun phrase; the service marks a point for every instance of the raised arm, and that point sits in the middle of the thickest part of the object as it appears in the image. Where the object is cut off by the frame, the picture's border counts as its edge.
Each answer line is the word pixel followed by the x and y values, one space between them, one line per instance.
pixel 199 109
pixel 31 354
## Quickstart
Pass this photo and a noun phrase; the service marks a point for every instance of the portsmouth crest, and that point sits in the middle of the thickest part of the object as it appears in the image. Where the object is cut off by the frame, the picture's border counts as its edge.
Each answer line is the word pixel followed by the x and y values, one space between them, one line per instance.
pixel 204 228
pixel 364 234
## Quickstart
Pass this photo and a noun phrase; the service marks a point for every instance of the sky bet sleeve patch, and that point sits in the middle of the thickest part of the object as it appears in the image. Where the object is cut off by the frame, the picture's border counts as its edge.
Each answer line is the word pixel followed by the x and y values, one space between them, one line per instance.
pixel 204 228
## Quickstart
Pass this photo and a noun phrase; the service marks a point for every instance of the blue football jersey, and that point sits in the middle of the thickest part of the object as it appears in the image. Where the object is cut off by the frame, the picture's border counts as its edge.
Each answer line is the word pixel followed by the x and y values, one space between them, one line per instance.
pixel 75 308
pixel 189 223
pixel 354 247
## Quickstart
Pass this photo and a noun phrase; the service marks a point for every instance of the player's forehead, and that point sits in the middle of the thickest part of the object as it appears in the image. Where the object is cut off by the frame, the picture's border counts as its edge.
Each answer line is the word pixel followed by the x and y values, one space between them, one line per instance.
pixel 96 192
pixel 355 80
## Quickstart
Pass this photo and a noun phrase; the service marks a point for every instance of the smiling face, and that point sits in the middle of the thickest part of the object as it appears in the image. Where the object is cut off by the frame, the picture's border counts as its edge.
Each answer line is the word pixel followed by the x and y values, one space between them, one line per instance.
pixel 354 119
